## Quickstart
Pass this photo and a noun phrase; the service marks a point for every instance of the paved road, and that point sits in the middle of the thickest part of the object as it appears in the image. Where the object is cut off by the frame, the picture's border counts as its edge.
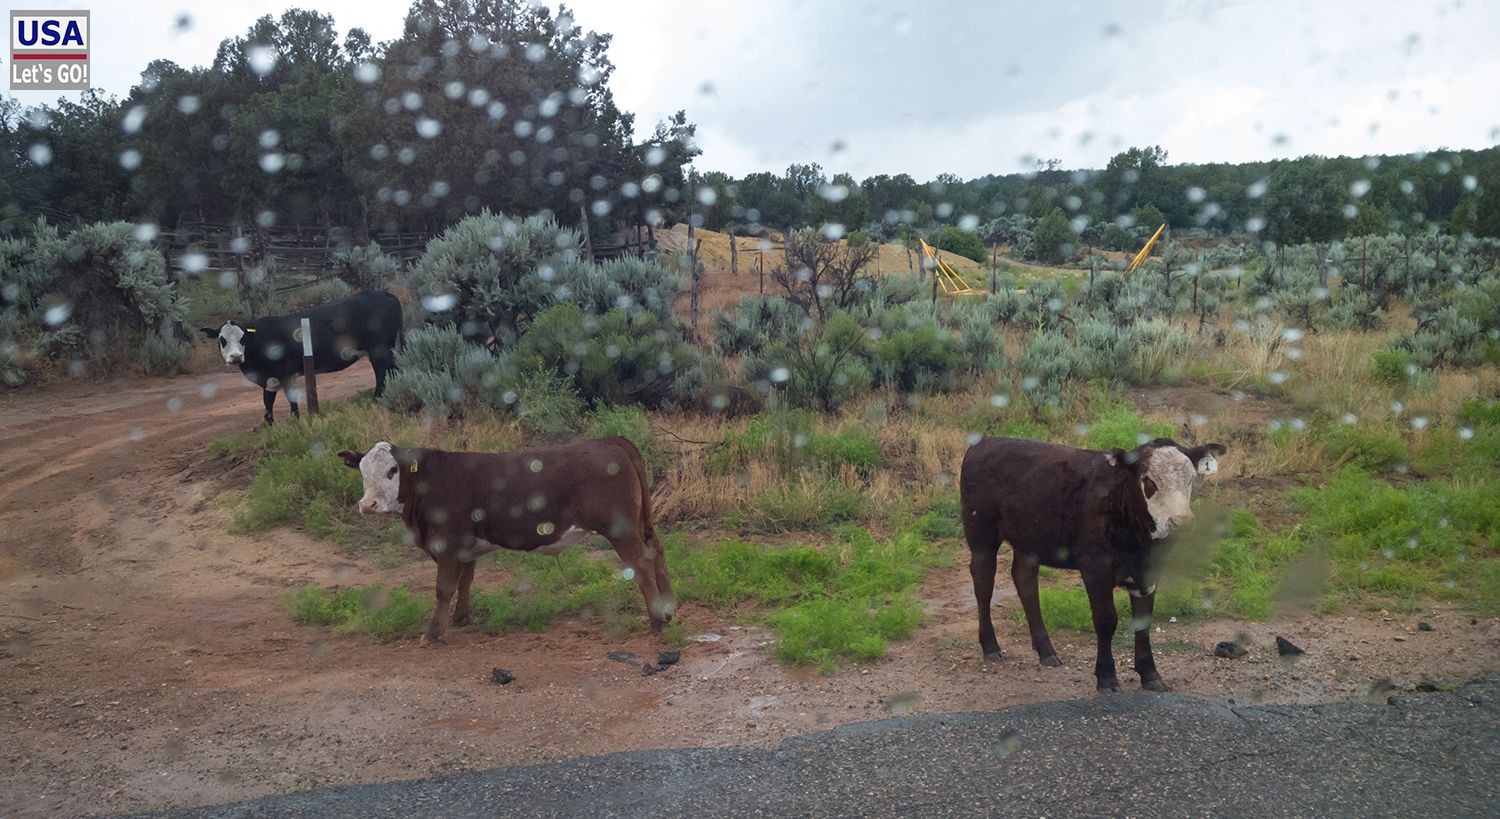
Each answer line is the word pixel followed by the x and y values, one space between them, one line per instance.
pixel 1133 754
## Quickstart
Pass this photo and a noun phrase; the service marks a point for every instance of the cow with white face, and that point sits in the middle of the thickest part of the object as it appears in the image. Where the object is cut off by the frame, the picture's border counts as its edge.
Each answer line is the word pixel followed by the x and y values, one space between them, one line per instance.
pixel 269 350
pixel 457 506
pixel 379 473
pixel 1109 515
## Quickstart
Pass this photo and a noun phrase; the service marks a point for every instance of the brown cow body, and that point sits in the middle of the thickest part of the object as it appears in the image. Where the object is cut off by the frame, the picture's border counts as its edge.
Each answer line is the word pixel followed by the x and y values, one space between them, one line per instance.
pixel 1101 513
pixel 458 506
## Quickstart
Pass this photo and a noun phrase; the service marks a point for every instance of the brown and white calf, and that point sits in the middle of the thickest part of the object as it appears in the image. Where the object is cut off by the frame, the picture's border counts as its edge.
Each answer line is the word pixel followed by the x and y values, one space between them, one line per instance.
pixel 458 506
pixel 1107 514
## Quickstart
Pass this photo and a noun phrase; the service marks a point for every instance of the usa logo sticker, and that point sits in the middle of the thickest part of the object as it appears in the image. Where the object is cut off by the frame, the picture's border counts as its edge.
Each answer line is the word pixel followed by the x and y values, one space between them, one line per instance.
pixel 49 50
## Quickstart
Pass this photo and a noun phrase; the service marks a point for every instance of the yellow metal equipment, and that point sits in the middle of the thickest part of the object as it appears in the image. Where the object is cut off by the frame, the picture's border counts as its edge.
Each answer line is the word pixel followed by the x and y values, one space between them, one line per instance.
pixel 1145 251
pixel 948 278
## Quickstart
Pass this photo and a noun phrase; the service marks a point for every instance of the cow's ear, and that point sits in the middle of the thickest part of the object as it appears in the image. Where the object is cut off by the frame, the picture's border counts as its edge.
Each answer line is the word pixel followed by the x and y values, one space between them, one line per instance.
pixel 1217 449
pixel 351 459
pixel 209 332
pixel 1116 457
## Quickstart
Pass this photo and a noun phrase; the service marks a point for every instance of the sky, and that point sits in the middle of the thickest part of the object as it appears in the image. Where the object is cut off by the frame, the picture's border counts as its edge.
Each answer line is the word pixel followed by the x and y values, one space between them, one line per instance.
pixel 974 88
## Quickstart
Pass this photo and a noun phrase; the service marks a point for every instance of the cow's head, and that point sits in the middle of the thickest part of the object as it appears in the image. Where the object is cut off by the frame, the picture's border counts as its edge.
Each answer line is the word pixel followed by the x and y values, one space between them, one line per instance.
pixel 382 478
pixel 1165 469
pixel 232 341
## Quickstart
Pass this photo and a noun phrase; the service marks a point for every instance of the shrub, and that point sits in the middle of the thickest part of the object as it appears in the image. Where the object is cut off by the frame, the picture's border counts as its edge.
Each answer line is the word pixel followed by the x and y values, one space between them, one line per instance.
pixel 963 242
pixel 979 349
pixel 485 273
pixel 756 322
pixel 163 357
pixel 617 358
pixel 1391 366
pixel 1045 364
pixel 1054 239
pixel 548 404
pixel 924 358
pixel 1353 309
pixel 1160 352
pixel 1104 350
pixel 364 267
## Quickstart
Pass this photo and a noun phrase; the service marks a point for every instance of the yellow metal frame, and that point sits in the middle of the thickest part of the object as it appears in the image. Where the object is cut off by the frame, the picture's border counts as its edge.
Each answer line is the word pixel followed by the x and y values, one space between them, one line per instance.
pixel 1140 258
pixel 949 279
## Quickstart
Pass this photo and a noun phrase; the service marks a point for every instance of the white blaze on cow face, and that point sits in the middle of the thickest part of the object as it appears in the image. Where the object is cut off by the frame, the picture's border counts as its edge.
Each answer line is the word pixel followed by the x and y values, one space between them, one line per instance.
pixel 1171 473
pixel 382 480
pixel 232 343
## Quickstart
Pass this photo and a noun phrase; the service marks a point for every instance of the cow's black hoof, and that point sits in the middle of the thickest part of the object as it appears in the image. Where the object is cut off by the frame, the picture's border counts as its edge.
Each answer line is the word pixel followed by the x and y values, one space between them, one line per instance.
pixel 992 656
pixel 1155 685
pixel 1051 661
pixel 1109 684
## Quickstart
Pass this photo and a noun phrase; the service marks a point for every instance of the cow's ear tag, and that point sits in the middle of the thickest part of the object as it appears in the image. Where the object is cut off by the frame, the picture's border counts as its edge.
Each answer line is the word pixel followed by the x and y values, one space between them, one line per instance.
pixel 414 467
pixel 249 329
pixel 1208 465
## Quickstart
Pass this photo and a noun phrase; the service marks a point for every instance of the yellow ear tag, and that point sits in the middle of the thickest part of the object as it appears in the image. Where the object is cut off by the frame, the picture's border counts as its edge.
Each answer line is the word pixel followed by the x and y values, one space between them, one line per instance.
pixel 414 467
pixel 249 329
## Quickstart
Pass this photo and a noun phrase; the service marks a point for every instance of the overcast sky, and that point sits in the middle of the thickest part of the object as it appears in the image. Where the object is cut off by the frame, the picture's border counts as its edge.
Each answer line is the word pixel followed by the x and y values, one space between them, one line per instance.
pixel 980 87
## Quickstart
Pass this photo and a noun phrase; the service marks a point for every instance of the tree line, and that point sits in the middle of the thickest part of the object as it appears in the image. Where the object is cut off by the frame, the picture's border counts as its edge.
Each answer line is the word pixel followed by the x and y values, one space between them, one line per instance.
pixel 502 104
pixel 478 104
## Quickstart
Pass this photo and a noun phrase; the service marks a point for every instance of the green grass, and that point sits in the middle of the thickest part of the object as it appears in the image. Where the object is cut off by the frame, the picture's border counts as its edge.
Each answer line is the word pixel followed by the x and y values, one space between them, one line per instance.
pixel 376 611
pixel 1409 542
pixel 1370 448
pixel 541 589
pixel 790 440
pixel 1121 426
pixel 806 507
pixel 841 603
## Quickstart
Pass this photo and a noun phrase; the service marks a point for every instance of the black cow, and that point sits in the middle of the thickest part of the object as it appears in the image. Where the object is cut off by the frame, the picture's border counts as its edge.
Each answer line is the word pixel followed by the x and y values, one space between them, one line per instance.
pixel 269 350
pixel 1105 514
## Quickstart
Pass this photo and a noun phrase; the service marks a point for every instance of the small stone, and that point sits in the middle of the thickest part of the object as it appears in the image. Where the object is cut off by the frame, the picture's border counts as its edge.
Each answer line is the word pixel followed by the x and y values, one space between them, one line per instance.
pixel 1424 626
pixel 500 676
pixel 1400 639
pixel 1230 650
pixel 1285 648
pixel 667 658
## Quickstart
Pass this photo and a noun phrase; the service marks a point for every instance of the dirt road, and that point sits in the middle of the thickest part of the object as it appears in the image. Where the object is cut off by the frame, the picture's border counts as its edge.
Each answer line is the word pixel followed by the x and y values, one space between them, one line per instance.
pixel 145 660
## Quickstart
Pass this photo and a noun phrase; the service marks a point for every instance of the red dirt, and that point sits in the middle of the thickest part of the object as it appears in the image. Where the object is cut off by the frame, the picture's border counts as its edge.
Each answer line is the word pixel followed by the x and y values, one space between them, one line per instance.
pixel 145 660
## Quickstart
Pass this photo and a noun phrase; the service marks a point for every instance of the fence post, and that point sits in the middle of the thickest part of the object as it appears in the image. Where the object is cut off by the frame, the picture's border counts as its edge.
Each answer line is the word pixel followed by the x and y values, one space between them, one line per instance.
pixel 309 370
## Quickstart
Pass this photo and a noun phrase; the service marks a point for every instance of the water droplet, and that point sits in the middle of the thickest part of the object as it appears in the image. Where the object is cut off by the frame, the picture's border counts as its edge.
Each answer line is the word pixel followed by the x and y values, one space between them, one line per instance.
pixel 188 104
pixel 1465 433
pixel 439 302
pixel 58 313
pixel 40 154
pixel 193 261
pixel 262 58
pixel 427 127
pixel 130 159
pixel 272 162
pixel 999 400
pixel 780 375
